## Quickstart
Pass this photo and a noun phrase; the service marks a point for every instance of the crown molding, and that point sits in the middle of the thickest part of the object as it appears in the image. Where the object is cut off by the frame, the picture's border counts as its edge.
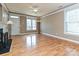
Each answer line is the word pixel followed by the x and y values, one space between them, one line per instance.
pixel 58 10
pixel 21 14
pixel 4 6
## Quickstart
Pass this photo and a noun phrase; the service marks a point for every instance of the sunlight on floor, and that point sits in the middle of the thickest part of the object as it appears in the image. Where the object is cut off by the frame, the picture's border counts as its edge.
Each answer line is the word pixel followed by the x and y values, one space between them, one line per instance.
pixel 71 52
pixel 31 41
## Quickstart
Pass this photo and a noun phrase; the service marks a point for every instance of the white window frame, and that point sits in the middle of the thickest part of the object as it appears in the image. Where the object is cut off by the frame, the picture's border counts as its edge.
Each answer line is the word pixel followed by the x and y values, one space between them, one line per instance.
pixel 65 10
pixel 31 18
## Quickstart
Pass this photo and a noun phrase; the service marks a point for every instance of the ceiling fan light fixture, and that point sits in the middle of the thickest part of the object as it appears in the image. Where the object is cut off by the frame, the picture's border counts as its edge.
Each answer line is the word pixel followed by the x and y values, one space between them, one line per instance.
pixel 35 10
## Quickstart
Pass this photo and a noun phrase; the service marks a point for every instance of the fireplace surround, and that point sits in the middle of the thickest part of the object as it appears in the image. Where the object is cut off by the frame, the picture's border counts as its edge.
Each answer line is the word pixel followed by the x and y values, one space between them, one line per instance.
pixel 3 38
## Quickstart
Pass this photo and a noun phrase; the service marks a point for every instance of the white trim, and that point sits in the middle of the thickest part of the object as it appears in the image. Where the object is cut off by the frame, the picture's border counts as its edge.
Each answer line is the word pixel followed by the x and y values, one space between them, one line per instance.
pixel 69 33
pixel 53 13
pixel 61 38
pixel 4 6
pixel 58 10
pixel 26 33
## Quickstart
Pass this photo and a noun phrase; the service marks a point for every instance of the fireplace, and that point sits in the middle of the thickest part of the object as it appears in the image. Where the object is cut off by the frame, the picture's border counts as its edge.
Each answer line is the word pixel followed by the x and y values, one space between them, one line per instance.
pixel 3 38
pixel 5 43
pixel 1 35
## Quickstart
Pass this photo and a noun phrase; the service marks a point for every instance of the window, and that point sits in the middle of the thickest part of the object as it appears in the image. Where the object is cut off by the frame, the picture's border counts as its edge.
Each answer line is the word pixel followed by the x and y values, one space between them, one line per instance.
pixel 14 17
pixel 31 23
pixel 71 22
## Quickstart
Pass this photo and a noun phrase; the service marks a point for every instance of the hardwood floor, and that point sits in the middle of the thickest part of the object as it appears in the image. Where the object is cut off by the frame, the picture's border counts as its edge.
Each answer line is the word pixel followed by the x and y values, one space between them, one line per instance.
pixel 41 45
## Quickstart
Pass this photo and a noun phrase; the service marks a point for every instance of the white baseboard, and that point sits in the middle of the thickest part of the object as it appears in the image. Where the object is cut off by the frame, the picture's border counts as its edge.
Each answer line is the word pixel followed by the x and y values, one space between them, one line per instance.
pixel 26 33
pixel 61 38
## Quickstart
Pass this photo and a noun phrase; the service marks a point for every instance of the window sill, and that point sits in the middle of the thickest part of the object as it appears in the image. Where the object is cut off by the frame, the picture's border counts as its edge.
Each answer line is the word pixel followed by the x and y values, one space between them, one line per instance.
pixel 69 33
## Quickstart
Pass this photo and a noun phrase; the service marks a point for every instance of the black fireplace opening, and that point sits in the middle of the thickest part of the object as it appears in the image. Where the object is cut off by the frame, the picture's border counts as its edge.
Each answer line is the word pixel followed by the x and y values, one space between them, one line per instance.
pixel 5 43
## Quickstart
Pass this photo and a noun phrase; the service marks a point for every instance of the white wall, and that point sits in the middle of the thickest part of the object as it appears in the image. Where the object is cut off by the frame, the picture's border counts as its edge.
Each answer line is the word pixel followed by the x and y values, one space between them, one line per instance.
pixel 0 16
pixel 4 19
pixel 15 26
pixel 0 13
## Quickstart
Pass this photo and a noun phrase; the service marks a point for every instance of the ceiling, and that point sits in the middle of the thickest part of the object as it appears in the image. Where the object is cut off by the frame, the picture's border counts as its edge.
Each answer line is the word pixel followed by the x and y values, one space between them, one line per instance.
pixel 27 8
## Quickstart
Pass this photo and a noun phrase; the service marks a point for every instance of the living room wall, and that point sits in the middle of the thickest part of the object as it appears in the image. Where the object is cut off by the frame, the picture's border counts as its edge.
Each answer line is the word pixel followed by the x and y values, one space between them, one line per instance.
pixel 54 25
pixel 3 17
